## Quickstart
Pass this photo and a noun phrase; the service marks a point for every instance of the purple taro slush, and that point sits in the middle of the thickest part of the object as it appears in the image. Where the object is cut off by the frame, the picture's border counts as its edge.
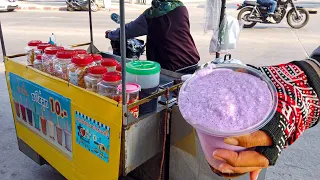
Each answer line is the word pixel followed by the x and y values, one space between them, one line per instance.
pixel 222 102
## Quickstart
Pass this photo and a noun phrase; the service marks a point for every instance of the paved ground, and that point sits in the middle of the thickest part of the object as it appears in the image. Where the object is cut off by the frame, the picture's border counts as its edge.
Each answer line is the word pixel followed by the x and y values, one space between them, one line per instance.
pixel 265 44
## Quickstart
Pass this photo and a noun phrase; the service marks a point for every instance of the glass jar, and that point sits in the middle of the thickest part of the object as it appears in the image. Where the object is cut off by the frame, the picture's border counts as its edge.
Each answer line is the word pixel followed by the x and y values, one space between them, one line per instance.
pixel 109 84
pixel 78 68
pixel 132 95
pixel 48 57
pixel 41 47
pixel 93 77
pixel 97 58
pixel 38 62
pixel 80 51
pixel 32 46
pixel 110 63
pixel 60 64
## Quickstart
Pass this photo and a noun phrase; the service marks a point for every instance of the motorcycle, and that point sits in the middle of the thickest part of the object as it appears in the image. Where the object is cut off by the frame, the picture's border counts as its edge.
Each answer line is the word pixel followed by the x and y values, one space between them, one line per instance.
pixel 252 13
pixel 80 5
pixel 134 47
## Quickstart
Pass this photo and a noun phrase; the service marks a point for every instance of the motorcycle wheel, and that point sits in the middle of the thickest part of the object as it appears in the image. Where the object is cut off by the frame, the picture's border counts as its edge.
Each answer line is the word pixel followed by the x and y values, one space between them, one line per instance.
pixel 69 8
pixel 297 22
pixel 243 18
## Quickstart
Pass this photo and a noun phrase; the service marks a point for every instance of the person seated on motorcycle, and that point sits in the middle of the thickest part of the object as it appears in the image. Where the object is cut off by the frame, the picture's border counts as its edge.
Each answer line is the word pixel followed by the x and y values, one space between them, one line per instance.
pixel 169 41
pixel 272 5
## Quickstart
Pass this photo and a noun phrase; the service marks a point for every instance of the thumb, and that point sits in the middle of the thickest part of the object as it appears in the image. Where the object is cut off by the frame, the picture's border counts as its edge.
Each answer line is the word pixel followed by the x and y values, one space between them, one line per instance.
pixel 255 174
pixel 258 138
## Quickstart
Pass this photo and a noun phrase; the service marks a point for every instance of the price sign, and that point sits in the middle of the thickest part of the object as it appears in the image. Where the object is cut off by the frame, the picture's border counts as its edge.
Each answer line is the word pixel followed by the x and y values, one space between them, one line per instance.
pixel 55 107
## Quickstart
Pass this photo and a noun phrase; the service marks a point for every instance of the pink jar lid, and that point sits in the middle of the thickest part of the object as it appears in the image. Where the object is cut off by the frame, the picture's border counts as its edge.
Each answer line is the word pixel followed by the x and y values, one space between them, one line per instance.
pixel 130 88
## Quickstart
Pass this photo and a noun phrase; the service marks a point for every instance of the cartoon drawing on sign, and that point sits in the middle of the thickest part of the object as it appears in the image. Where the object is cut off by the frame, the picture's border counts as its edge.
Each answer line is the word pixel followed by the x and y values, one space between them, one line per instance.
pixel 93 136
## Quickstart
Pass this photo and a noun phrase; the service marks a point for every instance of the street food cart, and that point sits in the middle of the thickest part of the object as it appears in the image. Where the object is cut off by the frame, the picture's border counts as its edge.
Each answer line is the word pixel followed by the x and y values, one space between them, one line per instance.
pixel 84 135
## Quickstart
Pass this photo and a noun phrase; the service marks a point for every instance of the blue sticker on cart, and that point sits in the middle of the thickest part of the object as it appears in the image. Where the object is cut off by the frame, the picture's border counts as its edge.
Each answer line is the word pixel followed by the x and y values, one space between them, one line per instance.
pixel 43 111
pixel 93 136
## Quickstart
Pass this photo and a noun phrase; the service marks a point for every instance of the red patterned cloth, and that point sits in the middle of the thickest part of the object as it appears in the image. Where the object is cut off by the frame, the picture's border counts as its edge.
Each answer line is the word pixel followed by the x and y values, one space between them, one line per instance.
pixel 298 108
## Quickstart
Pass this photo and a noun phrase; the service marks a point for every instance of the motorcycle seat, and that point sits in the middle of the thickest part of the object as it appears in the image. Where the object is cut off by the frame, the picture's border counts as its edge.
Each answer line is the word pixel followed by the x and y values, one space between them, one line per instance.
pixel 251 3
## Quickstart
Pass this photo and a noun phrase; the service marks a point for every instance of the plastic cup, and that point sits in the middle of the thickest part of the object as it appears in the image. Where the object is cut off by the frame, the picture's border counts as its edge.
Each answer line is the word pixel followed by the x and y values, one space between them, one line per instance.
pixel 36 121
pixel 30 116
pixel 43 125
pixel 51 129
pixel 59 135
pixel 23 112
pixel 68 140
pixel 17 108
pixel 210 139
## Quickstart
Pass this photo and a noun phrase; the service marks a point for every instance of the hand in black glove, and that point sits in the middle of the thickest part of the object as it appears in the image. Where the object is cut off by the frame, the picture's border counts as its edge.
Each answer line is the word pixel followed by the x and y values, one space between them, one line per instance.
pixel 107 33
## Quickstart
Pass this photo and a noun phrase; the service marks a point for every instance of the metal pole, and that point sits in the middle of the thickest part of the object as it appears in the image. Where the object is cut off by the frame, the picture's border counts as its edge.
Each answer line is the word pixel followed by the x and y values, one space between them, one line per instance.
pixel 223 7
pixel 2 43
pixel 91 33
pixel 123 43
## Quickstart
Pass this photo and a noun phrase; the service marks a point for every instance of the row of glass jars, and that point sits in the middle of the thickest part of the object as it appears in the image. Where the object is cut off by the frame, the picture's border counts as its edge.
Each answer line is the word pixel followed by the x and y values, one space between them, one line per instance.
pixel 81 69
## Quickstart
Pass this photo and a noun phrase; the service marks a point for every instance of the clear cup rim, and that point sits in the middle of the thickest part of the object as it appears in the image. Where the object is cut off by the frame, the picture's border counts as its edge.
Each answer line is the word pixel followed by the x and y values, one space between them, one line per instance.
pixel 250 129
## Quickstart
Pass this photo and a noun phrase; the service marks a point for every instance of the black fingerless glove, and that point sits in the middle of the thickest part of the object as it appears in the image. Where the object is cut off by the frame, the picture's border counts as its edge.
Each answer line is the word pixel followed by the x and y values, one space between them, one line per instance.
pixel 275 129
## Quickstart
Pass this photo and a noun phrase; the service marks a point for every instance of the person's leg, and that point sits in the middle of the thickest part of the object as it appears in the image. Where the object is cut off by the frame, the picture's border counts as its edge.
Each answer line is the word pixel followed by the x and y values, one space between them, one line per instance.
pixel 272 6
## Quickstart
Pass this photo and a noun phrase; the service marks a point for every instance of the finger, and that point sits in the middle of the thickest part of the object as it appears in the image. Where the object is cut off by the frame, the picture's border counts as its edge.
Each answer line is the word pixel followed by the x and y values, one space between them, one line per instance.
pixel 255 174
pixel 226 168
pixel 242 159
pixel 227 175
pixel 258 138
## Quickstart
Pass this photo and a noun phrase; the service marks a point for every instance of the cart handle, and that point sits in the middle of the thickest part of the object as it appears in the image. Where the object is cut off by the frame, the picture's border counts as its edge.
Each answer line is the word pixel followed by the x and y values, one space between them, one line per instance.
pixel 155 95
pixel 16 55
pixel 79 45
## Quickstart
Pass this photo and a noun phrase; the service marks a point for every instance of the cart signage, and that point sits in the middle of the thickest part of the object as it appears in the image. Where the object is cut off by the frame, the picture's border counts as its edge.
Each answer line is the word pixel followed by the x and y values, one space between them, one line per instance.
pixel 93 136
pixel 43 111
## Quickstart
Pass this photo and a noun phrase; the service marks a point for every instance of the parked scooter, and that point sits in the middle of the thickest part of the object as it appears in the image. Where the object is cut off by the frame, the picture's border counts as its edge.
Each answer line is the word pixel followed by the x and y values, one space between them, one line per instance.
pixel 81 5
